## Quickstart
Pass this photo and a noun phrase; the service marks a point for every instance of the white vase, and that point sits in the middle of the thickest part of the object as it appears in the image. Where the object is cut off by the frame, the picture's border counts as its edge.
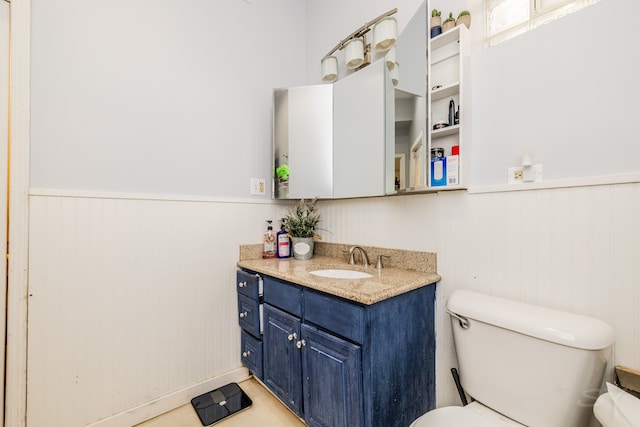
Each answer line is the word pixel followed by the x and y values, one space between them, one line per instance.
pixel 302 247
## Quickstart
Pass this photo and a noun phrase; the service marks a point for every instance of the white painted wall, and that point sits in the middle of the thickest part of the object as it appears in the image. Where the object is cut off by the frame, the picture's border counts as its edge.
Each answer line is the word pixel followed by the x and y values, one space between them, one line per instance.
pixel 116 274
pixel 159 97
pixel 570 88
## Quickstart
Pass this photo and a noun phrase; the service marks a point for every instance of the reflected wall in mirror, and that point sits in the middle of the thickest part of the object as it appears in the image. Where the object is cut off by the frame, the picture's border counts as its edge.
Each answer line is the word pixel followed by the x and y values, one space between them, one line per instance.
pixel 410 156
pixel 303 142
pixel 410 142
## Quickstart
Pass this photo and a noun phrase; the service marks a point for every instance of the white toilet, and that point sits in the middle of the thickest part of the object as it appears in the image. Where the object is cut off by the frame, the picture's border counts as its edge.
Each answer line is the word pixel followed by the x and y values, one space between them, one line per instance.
pixel 617 408
pixel 523 364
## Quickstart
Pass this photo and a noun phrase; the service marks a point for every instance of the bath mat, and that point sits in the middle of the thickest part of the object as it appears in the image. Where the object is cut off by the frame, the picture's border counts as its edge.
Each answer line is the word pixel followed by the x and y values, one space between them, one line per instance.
pixel 220 403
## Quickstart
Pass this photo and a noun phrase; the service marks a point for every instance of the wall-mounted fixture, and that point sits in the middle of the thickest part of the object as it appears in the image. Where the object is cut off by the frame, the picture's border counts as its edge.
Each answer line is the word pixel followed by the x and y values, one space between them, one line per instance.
pixel 357 50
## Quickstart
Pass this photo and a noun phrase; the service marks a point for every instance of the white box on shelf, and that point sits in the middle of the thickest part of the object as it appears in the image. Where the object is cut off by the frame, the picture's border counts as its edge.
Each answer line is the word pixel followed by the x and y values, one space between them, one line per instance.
pixel 453 178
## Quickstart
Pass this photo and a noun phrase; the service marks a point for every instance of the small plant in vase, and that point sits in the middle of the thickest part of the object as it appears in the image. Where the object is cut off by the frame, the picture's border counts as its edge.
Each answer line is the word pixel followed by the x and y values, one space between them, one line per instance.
pixel 464 18
pixel 436 18
pixel 449 23
pixel 301 223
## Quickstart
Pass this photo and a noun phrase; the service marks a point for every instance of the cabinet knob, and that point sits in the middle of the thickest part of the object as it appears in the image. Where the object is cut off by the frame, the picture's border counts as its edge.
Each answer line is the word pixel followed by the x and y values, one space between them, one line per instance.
pixel 242 284
pixel 301 343
pixel 292 336
pixel 243 314
pixel 246 354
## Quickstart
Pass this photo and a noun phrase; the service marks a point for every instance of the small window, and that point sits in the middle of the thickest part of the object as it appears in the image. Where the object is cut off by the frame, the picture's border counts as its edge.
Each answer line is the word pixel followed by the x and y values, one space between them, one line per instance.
pixel 508 18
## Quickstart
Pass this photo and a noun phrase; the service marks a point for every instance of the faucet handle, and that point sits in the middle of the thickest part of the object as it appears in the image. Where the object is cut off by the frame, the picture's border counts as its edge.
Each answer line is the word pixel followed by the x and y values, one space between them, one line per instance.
pixel 379 262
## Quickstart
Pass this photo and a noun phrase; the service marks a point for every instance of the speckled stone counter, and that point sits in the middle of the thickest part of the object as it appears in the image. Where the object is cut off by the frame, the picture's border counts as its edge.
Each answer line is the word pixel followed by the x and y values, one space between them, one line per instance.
pixel 403 271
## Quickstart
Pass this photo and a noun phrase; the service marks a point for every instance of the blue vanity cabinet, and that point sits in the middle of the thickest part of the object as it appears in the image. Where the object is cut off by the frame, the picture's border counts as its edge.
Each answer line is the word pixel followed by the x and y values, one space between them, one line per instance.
pixel 282 357
pixel 249 292
pixel 332 379
pixel 339 363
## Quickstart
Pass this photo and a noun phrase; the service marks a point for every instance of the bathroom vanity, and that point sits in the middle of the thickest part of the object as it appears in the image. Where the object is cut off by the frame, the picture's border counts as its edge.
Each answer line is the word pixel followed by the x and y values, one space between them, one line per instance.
pixel 340 352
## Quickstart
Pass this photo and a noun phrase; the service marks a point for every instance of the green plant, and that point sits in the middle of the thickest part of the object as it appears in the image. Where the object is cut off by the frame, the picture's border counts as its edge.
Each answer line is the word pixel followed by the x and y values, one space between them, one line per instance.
pixel 435 12
pixel 464 12
pixel 302 220
pixel 450 18
pixel 283 172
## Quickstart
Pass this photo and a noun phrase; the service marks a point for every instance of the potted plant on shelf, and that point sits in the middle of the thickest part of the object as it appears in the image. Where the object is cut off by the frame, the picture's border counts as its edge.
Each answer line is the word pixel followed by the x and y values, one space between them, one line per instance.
pixel 448 23
pixel 301 223
pixel 436 18
pixel 464 18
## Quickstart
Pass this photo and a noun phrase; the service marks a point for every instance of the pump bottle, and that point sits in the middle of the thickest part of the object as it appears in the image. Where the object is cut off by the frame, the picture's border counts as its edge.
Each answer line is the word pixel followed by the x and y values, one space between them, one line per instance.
pixel 283 241
pixel 269 249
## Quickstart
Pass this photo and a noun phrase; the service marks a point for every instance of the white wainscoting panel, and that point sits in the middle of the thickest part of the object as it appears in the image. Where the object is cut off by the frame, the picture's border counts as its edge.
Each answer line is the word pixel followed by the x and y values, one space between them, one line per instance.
pixel 132 301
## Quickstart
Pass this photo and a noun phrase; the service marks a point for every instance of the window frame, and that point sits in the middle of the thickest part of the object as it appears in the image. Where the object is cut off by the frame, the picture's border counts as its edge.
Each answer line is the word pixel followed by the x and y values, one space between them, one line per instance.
pixel 537 17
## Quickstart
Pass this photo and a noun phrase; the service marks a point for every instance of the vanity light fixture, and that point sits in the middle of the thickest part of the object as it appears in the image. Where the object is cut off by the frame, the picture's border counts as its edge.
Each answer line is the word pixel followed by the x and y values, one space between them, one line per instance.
pixel 357 50
pixel 354 52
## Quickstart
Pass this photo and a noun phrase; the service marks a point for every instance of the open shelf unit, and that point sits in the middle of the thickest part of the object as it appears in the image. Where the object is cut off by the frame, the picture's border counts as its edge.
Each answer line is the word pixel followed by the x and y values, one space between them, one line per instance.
pixel 448 74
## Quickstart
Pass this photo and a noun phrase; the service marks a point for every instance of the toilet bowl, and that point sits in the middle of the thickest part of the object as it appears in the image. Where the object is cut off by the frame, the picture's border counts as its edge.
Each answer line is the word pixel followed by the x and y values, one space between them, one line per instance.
pixel 616 408
pixel 523 365
pixel 472 415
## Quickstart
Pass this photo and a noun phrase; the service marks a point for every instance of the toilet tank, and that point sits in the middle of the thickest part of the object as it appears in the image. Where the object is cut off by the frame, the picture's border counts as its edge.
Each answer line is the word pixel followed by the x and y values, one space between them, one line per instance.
pixel 537 366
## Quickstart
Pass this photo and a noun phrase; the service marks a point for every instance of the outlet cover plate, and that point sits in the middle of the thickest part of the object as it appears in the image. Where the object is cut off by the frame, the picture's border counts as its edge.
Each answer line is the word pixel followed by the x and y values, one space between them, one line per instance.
pixel 258 187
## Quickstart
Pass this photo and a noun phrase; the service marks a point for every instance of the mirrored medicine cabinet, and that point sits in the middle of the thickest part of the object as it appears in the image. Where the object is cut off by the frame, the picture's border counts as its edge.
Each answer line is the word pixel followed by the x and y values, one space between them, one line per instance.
pixel 360 136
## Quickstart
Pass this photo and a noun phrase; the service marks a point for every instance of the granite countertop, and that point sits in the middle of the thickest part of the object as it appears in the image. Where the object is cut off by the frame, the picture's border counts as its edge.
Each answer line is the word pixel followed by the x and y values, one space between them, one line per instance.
pixel 384 283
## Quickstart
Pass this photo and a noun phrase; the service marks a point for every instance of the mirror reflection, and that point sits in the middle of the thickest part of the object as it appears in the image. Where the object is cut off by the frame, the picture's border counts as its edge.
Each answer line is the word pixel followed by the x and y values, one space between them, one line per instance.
pixel 410 142
pixel 363 135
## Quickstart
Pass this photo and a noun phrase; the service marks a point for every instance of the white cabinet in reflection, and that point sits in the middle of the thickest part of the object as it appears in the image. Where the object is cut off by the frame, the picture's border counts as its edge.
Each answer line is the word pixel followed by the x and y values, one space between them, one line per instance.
pixel 330 141
pixel 303 142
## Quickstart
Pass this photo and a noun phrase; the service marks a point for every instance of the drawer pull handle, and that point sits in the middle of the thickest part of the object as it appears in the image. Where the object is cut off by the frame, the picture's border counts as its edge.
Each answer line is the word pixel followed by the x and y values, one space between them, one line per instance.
pixel 301 344
pixel 242 284
pixel 246 354
pixel 243 314
pixel 292 336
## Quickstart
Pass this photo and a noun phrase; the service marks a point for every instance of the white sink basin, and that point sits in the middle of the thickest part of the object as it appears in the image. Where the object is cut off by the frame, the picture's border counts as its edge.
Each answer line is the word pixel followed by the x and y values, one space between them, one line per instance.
pixel 336 273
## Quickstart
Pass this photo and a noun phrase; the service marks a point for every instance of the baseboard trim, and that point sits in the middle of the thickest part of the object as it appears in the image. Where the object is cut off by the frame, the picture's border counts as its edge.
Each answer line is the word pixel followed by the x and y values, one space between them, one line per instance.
pixel 152 409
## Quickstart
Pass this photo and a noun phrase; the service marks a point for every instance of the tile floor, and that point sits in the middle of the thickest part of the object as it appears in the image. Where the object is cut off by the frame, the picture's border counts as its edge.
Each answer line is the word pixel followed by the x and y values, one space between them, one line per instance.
pixel 266 411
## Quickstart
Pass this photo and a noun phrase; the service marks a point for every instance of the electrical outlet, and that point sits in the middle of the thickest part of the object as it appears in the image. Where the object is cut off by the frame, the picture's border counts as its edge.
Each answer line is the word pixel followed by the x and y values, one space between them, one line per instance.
pixel 515 175
pixel 257 186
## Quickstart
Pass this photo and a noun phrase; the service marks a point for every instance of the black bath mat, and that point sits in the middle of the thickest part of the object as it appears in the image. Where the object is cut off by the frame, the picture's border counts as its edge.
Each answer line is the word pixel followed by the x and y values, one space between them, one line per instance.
pixel 220 403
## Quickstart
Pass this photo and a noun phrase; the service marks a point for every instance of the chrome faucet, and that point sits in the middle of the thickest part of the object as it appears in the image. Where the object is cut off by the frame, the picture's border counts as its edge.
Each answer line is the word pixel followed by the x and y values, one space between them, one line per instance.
pixel 363 254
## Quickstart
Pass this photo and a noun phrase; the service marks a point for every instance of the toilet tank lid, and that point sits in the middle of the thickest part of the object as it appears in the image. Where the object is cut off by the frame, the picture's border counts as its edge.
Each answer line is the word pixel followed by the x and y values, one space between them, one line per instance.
pixel 573 330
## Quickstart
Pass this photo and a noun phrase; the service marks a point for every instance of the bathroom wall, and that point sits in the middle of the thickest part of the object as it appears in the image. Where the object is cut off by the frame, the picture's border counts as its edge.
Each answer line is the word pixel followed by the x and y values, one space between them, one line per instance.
pixel 132 256
pixel 159 97
pixel 148 120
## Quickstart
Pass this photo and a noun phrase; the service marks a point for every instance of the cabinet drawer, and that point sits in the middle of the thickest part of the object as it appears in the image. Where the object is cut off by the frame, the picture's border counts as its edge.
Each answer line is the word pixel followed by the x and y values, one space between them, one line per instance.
pixel 248 284
pixel 283 295
pixel 251 352
pixel 335 314
pixel 249 315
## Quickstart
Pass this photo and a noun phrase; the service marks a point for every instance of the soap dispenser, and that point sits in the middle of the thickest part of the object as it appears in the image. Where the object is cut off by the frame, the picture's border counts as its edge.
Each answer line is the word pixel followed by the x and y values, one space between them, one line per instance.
pixel 283 241
pixel 269 242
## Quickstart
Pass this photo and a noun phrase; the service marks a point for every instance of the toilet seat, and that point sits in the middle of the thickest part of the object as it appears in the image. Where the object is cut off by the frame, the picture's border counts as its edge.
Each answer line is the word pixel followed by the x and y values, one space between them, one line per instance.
pixel 472 415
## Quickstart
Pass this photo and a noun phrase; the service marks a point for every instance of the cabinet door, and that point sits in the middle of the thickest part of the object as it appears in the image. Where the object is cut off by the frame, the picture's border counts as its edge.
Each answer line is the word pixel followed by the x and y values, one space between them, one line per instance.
pixel 332 372
pixel 282 360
